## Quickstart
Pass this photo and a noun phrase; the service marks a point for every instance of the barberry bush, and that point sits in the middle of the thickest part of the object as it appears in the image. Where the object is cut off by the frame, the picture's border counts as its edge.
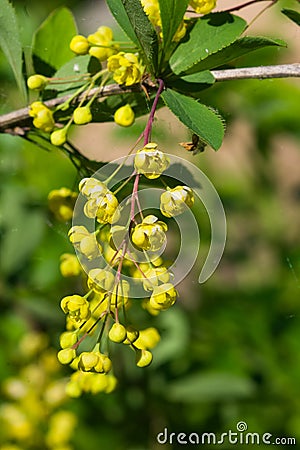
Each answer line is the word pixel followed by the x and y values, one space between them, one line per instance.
pixel 128 224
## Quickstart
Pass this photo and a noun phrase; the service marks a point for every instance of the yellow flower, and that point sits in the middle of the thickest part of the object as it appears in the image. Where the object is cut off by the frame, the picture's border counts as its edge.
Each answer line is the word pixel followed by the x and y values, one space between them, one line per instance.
pixel 203 6
pixel 69 265
pixel 150 234
pixel 148 338
pixel 91 187
pixel 68 339
pixel 154 276
pixel 175 201
pixel 103 207
pixel 85 242
pixel 77 307
pixel 82 115
pixel 61 202
pixel 126 68
pixel 100 280
pixel 94 362
pixel 151 8
pixel 42 117
pixel 163 296
pixel 150 161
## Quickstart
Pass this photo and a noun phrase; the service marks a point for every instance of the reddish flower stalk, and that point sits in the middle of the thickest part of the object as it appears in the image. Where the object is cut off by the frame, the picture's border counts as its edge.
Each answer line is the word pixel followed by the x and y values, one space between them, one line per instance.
pixel 146 135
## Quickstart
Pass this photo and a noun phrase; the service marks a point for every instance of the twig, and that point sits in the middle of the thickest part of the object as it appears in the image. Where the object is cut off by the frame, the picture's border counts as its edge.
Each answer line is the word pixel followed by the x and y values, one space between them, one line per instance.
pixel 9 122
pixel 15 118
pixel 259 72
pixel 244 5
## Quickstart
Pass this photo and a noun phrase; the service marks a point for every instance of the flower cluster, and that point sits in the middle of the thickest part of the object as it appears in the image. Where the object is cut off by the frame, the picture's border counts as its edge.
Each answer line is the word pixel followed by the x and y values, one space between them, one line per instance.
pixel 111 252
pixel 99 44
pixel 124 68
pixel 151 8
pixel 33 413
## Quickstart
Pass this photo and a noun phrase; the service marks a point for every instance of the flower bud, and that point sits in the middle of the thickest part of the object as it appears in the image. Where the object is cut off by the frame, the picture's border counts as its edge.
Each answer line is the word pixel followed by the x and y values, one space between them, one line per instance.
pixel 69 265
pixel 131 335
pixel 143 358
pixel 58 137
pixel 88 361
pixel 82 115
pixel 117 333
pixel 68 339
pixel 101 44
pixel 66 355
pixel 124 116
pixel 79 45
pixel 37 82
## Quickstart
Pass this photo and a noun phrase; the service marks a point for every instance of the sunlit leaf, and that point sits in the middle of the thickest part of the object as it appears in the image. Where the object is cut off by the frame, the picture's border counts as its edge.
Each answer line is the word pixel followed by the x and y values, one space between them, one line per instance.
pixel 10 42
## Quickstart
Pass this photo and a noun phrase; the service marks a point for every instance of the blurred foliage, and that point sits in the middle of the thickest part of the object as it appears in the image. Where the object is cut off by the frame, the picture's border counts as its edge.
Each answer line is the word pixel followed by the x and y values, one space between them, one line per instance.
pixel 230 348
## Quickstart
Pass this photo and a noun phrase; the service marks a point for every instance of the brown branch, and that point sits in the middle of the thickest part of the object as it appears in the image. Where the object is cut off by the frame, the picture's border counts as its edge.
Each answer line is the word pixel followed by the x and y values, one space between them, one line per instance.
pixel 260 72
pixel 9 122
pixel 19 117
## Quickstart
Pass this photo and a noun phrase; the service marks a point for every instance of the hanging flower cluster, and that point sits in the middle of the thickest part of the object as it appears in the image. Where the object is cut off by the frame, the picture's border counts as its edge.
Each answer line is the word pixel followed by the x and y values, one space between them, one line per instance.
pixel 104 311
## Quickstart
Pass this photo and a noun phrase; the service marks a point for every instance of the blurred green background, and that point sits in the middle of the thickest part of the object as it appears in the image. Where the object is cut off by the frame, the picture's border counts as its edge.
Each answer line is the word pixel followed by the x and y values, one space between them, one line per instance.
pixel 230 348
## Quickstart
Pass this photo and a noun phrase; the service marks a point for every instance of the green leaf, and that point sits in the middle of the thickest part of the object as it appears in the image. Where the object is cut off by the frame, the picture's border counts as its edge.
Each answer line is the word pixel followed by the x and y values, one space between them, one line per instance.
pixel 80 65
pixel 23 229
pixel 197 117
pixel 291 14
pixel 210 387
pixel 192 84
pixel 133 20
pixel 171 13
pixel 10 42
pixel 119 12
pixel 239 48
pixel 51 42
pixel 144 30
pixel 210 34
